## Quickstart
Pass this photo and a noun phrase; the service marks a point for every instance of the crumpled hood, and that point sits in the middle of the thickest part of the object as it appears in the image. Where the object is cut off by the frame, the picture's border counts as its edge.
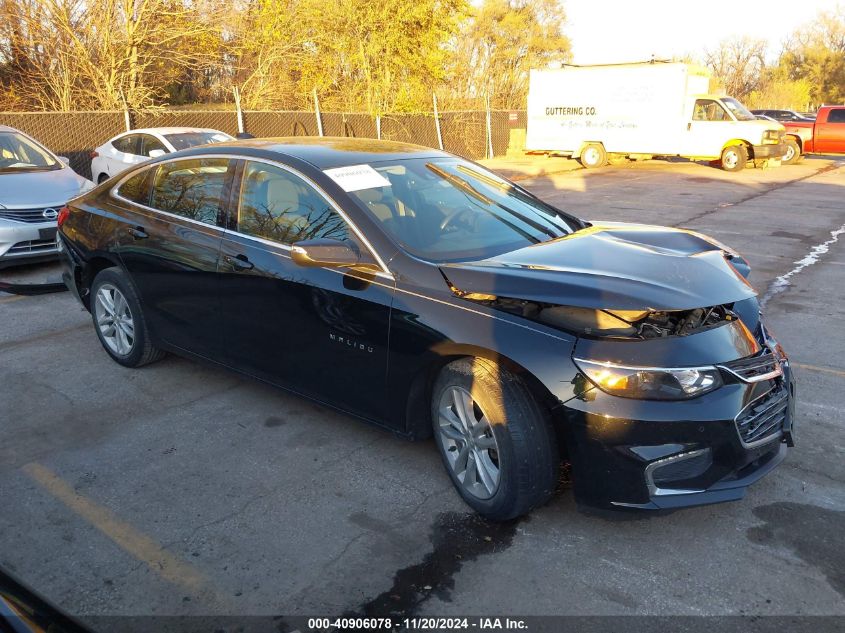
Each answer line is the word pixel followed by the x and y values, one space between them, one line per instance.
pixel 40 188
pixel 610 266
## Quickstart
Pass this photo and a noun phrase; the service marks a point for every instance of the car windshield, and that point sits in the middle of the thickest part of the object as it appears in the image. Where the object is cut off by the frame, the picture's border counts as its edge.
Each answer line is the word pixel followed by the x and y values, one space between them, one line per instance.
pixel 446 209
pixel 737 109
pixel 184 140
pixel 18 153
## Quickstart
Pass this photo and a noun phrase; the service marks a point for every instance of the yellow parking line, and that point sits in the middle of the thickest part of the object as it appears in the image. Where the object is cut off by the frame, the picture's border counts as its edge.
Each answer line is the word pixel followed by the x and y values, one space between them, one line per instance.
pixel 12 298
pixel 825 370
pixel 139 545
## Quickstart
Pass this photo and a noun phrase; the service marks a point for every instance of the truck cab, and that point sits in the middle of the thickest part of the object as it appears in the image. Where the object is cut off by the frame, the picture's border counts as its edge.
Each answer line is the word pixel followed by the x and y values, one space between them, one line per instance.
pixel 825 135
pixel 720 126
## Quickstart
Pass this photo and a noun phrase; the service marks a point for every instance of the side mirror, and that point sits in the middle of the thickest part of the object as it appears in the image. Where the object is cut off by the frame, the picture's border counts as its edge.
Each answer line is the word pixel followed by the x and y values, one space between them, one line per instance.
pixel 64 159
pixel 327 253
pixel 155 153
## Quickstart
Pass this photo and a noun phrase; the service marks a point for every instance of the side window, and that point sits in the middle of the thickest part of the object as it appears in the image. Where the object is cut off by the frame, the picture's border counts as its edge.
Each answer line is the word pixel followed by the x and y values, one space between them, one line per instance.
pixel 137 188
pixel 709 110
pixel 276 205
pixel 836 116
pixel 193 188
pixel 126 144
pixel 149 143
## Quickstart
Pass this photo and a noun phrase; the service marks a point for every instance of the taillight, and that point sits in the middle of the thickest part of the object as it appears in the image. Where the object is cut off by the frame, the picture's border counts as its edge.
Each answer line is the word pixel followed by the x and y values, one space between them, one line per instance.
pixel 94 154
pixel 64 213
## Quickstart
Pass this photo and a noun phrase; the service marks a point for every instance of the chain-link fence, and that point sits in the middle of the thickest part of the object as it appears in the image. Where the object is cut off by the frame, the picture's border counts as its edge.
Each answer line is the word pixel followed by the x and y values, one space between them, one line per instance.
pixel 473 134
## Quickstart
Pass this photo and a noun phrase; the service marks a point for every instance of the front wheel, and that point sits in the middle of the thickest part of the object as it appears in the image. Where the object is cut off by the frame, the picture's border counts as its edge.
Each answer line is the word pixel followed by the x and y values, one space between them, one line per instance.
pixel 119 321
pixel 793 152
pixel 495 439
pixel 734 158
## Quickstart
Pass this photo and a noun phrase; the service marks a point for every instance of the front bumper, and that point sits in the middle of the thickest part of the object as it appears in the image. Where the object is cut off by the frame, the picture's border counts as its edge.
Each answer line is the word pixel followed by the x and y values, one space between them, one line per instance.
pixel 775 150
pixel 655 455
pixel 26 242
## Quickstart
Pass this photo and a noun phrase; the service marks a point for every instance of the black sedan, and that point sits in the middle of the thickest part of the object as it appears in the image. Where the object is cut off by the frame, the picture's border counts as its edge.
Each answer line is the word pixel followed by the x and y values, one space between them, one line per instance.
pixel 423 293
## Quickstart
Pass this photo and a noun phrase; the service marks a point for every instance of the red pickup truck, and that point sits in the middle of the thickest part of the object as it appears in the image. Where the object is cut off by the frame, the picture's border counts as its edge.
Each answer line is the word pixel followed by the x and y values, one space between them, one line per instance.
pixel 825 135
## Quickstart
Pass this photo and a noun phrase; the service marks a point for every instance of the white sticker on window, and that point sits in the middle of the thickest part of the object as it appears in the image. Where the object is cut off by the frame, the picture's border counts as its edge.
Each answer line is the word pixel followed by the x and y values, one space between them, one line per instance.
pixel 357 177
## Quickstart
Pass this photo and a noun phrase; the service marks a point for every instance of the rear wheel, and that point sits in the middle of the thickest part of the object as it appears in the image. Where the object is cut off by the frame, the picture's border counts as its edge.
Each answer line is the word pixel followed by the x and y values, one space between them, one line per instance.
pixel 593 155
pixel 734 158
pixel 494 438
pixel 119 321
pixel 793 152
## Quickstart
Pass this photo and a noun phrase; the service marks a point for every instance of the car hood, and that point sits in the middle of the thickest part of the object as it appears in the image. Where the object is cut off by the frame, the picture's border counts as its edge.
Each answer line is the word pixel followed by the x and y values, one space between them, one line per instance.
pixel 40 188
pixel 610 266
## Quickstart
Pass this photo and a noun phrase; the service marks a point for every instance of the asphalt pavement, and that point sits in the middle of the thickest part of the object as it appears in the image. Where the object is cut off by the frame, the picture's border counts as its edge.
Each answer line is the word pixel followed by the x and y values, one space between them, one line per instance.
pixel 180 489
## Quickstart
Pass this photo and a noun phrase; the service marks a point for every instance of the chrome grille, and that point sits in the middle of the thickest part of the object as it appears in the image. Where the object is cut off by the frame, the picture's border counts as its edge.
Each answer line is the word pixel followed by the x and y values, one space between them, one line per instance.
pixel 26 215
pixel 761 366
pixel 32 246
pixel 763 419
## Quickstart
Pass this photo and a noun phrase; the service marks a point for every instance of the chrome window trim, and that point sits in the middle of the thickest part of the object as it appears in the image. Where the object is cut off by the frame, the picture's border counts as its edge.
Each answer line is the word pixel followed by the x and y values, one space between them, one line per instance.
pixel 320 191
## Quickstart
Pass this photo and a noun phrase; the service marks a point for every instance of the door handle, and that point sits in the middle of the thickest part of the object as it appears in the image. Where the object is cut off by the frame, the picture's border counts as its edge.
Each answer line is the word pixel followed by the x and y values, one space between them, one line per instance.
pixel 138 233
pixel 241 262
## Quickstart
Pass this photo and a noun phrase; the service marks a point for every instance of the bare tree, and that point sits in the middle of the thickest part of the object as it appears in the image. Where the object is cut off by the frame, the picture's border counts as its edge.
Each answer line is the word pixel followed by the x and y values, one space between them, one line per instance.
pixel 738 65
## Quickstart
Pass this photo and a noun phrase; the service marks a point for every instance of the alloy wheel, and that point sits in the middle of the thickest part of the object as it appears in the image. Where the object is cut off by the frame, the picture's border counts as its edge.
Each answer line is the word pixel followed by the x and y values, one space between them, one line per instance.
pixel 468 442
pixel 114 319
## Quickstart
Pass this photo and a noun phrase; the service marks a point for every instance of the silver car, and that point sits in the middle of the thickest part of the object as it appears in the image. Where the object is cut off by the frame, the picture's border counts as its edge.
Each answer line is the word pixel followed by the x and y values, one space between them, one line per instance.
pixel 34 185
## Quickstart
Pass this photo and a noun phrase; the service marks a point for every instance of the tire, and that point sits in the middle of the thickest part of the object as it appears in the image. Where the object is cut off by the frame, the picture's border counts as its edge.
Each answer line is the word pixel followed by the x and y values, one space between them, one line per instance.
pixel 793 152
pixel 102 178
pixel 129 344
pixel 734 158
pixel 593 155
pixel 511 433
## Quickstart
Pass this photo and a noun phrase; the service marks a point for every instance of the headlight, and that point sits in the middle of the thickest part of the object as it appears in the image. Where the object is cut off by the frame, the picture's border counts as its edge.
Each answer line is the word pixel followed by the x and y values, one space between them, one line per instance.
pixel 771 135
pixel 650 383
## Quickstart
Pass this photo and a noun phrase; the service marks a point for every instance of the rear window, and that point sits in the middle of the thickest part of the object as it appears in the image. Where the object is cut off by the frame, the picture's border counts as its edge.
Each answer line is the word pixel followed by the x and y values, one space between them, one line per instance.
pixel 185 140
pixel 836 116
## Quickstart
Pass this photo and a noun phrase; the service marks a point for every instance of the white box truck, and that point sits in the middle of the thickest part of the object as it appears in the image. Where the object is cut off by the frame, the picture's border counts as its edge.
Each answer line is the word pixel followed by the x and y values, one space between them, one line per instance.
pixel 643 110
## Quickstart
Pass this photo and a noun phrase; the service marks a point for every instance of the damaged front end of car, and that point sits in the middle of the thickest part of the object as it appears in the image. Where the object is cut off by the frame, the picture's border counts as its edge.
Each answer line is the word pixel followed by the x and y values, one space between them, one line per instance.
pixel 683 397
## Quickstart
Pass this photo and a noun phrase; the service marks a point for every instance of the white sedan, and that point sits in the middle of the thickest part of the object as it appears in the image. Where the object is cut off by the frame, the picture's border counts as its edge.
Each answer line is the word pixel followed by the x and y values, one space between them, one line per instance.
pixel 131 148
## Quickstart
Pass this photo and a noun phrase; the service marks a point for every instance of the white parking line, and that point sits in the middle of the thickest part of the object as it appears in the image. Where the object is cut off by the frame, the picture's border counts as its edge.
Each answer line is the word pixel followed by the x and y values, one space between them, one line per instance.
pixel 781 283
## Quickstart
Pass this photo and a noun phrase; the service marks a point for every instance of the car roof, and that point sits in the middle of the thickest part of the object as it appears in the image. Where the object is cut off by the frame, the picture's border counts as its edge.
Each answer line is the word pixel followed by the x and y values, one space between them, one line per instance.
pixel 323 152
pixel 170 130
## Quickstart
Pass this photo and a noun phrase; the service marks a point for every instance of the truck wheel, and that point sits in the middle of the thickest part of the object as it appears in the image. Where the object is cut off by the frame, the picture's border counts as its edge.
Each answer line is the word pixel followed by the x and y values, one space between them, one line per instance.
pixel 793 152
pixel 734 158
pixel 495 439
pixel 593 155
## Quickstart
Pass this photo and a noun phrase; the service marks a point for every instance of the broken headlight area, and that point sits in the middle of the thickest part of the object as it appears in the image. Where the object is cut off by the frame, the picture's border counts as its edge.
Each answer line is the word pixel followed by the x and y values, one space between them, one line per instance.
pixel 650 383
pixel 590 322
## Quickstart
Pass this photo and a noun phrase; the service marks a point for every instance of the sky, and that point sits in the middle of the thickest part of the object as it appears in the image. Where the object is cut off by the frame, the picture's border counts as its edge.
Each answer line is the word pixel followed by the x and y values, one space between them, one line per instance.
pixel 608 31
